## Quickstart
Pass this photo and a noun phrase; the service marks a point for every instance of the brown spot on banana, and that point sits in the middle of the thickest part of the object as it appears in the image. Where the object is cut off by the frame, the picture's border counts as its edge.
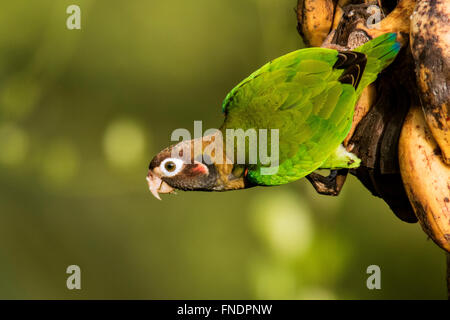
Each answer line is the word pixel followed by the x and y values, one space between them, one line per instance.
pixel 426 177
pixel 315 18
pixel 343 3
pixel 430 46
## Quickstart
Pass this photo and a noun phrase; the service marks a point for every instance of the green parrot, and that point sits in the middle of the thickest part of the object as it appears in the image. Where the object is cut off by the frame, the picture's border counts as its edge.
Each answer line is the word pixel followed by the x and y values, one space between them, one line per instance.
pixel 308 96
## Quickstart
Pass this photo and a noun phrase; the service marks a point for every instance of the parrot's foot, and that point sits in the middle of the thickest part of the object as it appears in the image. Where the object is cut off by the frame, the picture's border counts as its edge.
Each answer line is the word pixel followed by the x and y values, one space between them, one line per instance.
pixel 330 185
pixel 341 159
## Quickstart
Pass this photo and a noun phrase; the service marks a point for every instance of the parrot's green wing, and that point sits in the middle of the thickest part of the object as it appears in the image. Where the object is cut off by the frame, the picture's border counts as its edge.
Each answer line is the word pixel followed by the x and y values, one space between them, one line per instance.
pixel 300 95
pixel 309 96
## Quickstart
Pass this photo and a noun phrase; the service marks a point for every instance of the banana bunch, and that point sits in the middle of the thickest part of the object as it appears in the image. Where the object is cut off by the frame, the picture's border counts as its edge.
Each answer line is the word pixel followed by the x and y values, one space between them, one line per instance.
pixel 424 147
pixel 424 144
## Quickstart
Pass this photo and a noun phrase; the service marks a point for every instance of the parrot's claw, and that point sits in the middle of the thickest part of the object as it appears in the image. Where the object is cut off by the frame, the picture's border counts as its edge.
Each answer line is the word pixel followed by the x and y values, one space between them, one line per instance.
pixel 330 185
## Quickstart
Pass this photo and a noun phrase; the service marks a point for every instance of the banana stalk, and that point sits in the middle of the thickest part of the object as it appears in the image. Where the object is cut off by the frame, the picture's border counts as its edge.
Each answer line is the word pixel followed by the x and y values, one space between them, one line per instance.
pixel 397 21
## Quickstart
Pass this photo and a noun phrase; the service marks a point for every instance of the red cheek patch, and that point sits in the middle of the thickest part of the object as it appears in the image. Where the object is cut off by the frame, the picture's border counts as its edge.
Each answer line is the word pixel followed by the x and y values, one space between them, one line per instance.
pixel 199 168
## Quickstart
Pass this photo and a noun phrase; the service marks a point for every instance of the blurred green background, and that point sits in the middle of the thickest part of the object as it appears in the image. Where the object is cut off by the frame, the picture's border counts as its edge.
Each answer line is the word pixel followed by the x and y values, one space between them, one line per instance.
pixel 82 112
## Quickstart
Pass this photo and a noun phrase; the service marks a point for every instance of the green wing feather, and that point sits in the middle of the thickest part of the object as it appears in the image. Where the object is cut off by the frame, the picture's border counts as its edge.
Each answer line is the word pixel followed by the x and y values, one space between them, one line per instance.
pixel 300 95
pixel 380 53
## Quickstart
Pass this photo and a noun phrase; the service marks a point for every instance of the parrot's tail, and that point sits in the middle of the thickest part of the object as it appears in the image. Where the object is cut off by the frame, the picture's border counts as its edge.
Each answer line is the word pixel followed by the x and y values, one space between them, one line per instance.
pixel 380 52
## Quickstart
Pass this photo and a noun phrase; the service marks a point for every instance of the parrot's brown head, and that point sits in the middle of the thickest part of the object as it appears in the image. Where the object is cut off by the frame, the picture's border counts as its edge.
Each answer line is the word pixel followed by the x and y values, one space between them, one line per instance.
pixel 188 166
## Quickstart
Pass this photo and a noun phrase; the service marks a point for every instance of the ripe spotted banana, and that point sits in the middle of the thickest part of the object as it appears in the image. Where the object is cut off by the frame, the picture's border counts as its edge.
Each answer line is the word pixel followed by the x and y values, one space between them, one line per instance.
pixel 426 177
pixel 315 18
pixel 430 45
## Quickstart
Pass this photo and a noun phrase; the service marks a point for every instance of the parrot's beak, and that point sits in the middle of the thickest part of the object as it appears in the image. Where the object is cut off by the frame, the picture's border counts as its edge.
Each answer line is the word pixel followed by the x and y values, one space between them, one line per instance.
pixel 157 186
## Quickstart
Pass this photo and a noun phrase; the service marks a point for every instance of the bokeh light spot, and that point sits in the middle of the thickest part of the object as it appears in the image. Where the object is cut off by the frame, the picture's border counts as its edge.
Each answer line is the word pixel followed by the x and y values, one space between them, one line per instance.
pixel 60 162
pixel 283 222
pixel 18 97
pixel 13 144
pixel 124 143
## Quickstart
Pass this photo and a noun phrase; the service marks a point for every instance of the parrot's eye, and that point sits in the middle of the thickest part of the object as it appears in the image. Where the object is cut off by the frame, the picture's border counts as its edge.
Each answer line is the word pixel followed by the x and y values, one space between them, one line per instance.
pixel 171 166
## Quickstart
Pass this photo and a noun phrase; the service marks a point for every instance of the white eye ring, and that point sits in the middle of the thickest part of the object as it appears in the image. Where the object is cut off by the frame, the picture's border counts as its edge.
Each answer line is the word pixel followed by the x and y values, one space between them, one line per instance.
pixel 178 166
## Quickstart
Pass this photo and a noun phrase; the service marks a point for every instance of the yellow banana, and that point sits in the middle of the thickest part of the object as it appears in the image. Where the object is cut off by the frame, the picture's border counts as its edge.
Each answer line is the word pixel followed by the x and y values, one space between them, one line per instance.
pixel 426 177
pixel 430 46
pixel 315 18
